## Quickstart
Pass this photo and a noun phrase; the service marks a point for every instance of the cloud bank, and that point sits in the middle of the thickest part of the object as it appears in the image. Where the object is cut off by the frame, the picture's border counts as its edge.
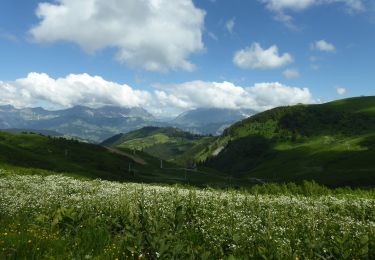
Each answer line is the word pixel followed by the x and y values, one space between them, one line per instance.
pixel 94 91
pixel 156 35
pixel 39 89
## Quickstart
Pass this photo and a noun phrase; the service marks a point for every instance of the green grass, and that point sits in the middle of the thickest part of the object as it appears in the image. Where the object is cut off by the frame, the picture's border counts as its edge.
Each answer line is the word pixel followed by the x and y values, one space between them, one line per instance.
pixel 356 104
pixel 61 155
pixel 334 161
pixel 33 152
pixel 57 217
pixel 142 143
pixel 166 143
pixel 330 143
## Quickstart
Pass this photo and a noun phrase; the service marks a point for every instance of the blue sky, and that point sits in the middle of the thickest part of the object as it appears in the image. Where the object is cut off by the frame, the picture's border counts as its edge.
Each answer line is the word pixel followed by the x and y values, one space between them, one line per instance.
pixel 244 54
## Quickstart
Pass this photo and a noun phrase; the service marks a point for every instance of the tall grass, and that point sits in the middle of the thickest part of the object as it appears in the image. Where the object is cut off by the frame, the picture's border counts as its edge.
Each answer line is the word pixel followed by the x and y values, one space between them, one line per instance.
pixel 45 217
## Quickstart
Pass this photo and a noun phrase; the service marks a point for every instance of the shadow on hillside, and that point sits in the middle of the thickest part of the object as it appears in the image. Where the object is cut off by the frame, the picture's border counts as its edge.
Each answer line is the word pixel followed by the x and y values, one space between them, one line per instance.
pixel 255 157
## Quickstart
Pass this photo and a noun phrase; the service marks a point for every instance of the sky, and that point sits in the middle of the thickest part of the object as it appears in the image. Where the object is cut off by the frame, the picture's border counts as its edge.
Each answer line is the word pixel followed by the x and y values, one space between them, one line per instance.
pixel 172 56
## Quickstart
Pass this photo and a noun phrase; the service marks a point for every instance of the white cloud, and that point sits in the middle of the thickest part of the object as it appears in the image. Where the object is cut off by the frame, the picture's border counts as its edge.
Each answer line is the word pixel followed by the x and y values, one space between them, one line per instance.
pixel 291 73
pixel 341 91
pixel 259 97
pixel 300 5
pixel 269 95
pixel 255 57
pixel 203 94
pixel 281 7
pixel 39 89
pixel 287 20
pixel 229 25
pixel 322 45
pixel 156 35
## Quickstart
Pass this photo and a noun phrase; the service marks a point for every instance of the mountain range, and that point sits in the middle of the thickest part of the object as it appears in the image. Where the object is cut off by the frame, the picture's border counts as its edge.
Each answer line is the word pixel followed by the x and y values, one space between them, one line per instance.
pixel 79 121
pixel 332 144
pixel 98 124
pixel 210 120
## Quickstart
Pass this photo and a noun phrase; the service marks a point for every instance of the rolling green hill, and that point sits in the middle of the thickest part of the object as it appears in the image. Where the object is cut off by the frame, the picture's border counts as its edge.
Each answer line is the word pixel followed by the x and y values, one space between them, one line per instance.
pixel 332 143
pixel 38 154
pixel 61 155
pixel 166 143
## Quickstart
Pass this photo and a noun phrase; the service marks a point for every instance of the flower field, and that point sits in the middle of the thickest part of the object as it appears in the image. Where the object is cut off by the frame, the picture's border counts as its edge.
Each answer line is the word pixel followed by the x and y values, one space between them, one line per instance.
pixel 47 217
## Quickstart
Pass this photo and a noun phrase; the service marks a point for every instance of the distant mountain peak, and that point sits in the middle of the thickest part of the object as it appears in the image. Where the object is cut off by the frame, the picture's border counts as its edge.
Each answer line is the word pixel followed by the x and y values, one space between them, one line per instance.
pixel 212 115
pixel 87 123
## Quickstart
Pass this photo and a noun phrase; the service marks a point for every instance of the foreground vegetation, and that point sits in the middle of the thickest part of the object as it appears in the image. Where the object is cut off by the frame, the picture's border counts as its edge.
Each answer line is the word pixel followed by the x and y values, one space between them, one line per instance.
pixel 44 217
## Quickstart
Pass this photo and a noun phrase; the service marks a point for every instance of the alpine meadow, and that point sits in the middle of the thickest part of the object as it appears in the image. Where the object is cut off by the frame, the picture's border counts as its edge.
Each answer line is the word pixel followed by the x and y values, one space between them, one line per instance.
pixel 187 129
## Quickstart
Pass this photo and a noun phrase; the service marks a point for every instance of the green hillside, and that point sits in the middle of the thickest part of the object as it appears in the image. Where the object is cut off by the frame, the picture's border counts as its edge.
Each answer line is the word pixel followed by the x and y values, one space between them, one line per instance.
pixel 332 143
pixel 61 155
pixel 166 143
pixel 35 153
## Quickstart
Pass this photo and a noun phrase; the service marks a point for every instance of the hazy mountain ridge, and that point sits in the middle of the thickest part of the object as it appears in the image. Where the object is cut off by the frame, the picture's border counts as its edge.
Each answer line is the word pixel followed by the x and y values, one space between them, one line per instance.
pixel 98 124
pixel 93 124
pixel 210 120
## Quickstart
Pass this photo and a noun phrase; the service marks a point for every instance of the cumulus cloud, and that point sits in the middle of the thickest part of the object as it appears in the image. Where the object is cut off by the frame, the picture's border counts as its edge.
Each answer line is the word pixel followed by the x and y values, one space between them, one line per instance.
pixel 281 7
pixel 39 89
pixel 196 94
pixel 229 25
pixel 156 35
pixel 259 97
pixel 269 95
pixel 323 45
pixel 291 73
pixel 341 91
pixel 255 57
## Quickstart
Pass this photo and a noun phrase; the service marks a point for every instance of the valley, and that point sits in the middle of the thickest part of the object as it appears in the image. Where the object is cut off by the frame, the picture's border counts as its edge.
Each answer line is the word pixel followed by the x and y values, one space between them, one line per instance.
pixel 187 130
pixel 331 143
pixel 159 192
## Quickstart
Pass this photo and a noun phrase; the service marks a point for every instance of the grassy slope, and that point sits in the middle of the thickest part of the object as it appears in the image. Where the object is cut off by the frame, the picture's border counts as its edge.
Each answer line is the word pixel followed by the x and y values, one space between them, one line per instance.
pixel 165 143
pixel 61 155
pixel 332 143
pixel 32 153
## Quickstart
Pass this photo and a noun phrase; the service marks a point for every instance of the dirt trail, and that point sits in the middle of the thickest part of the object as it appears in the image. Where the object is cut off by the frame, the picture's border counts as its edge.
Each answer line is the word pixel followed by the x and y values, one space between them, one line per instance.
pixel 134 158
